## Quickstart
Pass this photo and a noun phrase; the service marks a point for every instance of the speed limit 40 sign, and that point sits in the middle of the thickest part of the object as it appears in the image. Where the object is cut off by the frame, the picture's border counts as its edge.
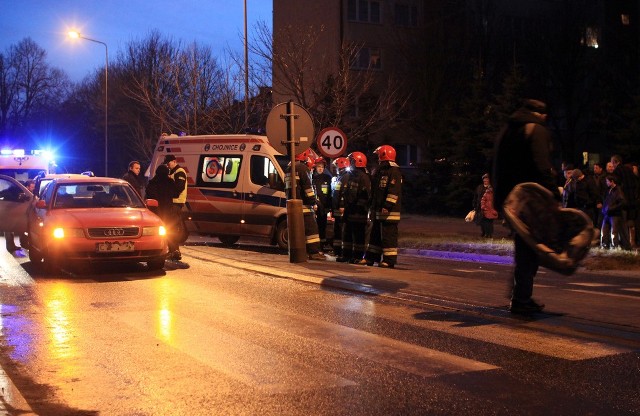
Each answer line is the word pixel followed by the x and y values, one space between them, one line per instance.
pixel 332 142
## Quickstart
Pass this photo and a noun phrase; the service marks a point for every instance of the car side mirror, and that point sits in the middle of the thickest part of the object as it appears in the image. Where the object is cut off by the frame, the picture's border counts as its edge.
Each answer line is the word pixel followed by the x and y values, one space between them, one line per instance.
pixel 151 202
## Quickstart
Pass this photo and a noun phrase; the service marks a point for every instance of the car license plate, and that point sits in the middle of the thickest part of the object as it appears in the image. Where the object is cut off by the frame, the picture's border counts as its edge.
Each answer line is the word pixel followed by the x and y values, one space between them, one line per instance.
pixel 115 246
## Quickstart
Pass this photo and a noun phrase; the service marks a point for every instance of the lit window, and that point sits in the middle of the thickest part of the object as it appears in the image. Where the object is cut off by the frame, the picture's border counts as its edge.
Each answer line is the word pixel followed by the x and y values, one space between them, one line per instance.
pixel 367 11
pixel 625 19
pixel 591 37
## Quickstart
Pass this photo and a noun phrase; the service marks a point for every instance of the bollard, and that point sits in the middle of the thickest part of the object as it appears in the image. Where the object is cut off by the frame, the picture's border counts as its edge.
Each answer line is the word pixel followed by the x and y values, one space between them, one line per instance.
pixel 295 228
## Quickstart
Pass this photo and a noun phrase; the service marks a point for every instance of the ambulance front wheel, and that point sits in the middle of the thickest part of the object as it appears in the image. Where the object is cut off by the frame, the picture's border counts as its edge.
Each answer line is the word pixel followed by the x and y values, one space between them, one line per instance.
pixel 282 235
pixel 228 240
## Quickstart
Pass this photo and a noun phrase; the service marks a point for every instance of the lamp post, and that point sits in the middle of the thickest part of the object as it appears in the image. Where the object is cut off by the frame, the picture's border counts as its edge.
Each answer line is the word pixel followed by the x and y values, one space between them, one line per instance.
pixel 77 35
pixel 246 71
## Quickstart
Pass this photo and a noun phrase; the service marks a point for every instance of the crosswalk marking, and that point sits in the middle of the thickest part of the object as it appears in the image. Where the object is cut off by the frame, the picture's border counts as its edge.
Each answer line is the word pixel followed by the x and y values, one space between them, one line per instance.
pixel 524 338
pixel 261 368
pixel 587 284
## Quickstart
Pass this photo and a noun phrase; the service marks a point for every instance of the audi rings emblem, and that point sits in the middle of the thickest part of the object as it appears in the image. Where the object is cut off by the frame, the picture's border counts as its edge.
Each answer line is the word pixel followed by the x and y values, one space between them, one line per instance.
pixel 114 232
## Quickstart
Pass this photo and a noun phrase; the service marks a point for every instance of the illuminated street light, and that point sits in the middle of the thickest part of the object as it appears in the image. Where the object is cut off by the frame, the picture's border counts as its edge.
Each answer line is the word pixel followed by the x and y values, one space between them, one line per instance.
pixel 76 35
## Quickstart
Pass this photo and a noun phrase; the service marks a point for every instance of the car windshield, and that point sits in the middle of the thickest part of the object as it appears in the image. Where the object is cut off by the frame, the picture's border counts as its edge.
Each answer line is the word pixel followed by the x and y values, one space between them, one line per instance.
pixel 96 195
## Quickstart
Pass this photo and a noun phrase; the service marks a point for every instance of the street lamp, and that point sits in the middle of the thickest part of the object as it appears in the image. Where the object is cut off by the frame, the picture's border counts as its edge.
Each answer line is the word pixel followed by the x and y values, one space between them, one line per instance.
pixel 76 35
pixel 246 71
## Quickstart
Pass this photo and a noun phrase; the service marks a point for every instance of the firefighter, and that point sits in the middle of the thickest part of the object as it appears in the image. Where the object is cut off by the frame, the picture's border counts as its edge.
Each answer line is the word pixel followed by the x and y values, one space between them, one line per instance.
pixel 304 191
pixel 341 164
pixel 356 194
pixel 321 185
pixel 386 190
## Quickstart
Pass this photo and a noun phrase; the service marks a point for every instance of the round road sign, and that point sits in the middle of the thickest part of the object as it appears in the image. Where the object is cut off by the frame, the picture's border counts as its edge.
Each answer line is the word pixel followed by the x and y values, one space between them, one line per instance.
pixel 332 142
pixel 277 128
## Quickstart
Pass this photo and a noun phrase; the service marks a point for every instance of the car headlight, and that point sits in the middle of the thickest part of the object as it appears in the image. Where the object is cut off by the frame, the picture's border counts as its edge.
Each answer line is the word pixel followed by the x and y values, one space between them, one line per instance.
pixel 60 233
pixel 154 230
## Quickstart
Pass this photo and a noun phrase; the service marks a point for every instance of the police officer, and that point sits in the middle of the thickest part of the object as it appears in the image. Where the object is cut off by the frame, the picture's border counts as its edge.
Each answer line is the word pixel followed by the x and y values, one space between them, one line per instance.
pixel 179 176
pixel 304 191
pixel 341 164
pixel 386 190
pixel 322 185
pixel 357 192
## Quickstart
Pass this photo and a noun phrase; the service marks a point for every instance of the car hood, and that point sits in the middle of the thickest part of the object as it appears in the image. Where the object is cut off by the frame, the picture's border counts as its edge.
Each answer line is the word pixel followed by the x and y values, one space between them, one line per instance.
pixel 104 217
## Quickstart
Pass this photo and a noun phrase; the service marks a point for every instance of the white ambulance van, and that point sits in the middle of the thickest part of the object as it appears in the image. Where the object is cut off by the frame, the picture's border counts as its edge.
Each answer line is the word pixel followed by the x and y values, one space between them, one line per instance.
pixel 235 185
pixel 23 164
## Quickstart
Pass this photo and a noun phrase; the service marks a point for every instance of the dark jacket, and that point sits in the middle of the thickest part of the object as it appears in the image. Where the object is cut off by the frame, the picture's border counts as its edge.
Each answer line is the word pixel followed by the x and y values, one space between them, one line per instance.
pixel 163 189
pixel 614 202
pixel 386 191
pixel 304 187
pixel 322 187
pixel 357 193
pixel 137 181
pixel 522 154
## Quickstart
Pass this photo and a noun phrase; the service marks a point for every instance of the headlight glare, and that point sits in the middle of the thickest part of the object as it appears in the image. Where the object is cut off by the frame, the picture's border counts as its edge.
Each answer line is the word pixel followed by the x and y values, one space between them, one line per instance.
pixel 154 231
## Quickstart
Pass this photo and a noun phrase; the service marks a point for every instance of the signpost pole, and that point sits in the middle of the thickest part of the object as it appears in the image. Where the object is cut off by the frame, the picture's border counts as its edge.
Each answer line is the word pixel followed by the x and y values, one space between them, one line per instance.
pixel 295 217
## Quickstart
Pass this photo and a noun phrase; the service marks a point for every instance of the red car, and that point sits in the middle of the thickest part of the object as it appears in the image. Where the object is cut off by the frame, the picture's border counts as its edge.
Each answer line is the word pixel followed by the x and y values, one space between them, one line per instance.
pixel 91 219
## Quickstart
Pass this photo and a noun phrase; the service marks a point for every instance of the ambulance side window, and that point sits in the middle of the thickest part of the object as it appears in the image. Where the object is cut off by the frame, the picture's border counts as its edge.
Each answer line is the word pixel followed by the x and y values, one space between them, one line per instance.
pixel 219 171
pixel 260 168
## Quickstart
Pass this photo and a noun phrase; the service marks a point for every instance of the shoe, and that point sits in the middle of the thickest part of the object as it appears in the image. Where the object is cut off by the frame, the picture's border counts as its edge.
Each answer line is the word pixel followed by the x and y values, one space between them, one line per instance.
pixel 175 256
pixel 385 265
pixel 362 262
pixel 317 256
pixel 525 308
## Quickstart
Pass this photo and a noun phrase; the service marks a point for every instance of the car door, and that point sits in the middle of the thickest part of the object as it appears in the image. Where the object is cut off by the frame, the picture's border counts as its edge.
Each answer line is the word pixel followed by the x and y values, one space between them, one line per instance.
pixel 262 204
pixel 15 201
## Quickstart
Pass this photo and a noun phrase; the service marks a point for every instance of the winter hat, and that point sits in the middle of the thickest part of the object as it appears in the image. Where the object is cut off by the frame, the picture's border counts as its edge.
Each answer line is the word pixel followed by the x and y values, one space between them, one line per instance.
pixel 168 158
pixel 162 170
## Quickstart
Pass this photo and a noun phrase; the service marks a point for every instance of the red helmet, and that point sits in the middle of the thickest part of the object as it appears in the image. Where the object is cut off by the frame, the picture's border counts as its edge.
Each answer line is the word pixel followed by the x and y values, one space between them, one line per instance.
pixel 385 152
pixel 310 163
pixel 358 159
pixel 341 163
pixel 302 157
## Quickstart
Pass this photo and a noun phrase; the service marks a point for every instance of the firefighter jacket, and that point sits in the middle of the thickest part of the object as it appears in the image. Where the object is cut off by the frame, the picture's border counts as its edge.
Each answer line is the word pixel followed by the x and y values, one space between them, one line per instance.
pixel 386 189
pixel 304 187
pixel 322 188
pixel 337 184
pixel 179 175
pixel 356 195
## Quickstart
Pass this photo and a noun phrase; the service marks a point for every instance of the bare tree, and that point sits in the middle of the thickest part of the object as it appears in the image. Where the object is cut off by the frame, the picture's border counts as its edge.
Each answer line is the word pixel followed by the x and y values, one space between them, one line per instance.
pixel 335 94
pixel 28 85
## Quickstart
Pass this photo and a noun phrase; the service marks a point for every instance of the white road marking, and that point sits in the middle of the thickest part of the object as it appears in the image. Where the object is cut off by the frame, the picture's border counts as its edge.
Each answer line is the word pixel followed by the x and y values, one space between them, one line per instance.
pixel 586 284
pixel 593 292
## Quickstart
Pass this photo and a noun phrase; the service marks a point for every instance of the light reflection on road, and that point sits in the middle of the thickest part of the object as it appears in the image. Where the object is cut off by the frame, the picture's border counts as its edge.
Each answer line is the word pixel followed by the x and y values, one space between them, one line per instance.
pixel 165 292
pixel 57 299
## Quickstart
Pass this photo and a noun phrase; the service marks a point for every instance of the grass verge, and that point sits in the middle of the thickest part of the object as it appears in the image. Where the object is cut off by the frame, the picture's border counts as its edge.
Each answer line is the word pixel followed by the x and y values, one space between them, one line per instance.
pixel 597 259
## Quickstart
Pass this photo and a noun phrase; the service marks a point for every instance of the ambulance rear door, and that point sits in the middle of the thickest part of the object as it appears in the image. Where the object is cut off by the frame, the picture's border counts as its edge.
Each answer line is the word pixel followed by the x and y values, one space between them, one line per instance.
pixel 262 204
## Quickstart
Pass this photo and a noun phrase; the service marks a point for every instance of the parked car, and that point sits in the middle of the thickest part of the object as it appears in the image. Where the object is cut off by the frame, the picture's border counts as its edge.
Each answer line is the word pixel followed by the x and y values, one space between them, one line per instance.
pixel 83 219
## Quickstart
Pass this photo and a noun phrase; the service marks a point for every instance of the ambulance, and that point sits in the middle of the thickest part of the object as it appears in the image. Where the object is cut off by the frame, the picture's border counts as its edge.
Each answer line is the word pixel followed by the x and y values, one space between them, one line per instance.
pixel 235 185
pixel 23 164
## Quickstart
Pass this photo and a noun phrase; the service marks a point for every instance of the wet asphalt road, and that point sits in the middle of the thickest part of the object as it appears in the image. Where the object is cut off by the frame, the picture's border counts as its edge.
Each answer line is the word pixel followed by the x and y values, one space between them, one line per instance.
pixel 243 331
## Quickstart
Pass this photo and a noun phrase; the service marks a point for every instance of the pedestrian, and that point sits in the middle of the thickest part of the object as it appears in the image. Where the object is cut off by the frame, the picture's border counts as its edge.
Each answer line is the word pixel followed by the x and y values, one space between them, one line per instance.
pixel 583 193
pixel 179 176
pixel 612 213
pixel 485 212
pixel 134 178
pixel 386 197
pixel 337 185
pixel 522 154
pixel 162 188
pixel 304 191
pixel 356 196
pixel 628 182
pixel 600 187
pixel 322 186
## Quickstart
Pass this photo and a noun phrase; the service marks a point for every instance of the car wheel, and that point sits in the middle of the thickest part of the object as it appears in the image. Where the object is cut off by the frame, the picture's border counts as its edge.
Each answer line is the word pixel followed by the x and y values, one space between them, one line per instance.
pixel 282 235
pixel 228 240
pixel 156 264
